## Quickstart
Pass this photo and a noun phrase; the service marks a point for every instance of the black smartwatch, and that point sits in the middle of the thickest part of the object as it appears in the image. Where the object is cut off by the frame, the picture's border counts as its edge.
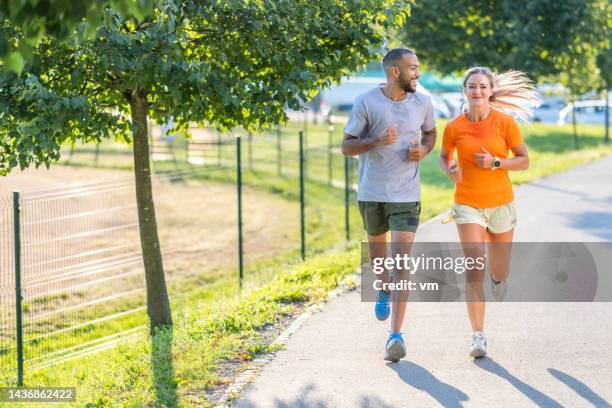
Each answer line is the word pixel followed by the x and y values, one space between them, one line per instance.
pixel 496 163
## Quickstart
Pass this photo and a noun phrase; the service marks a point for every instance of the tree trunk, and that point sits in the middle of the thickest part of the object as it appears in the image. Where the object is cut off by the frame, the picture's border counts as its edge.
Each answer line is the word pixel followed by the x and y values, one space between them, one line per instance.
pixel 158 304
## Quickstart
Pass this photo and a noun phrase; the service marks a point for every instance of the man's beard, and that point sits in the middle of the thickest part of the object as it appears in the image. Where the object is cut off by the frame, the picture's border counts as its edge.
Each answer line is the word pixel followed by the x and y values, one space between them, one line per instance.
pixel 405 85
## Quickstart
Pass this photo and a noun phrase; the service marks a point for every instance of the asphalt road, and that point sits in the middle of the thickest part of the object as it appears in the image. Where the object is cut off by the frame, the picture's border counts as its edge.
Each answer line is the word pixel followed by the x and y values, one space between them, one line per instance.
pixel 540 354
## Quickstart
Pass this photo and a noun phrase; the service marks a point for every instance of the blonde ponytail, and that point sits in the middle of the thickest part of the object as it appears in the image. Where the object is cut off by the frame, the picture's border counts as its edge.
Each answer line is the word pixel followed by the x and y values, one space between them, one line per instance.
pixel 512 91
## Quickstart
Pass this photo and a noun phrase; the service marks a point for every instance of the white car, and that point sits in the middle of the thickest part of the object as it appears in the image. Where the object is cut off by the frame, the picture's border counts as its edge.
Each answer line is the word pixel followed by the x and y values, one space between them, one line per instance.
pixel 548 111
pixel 587 112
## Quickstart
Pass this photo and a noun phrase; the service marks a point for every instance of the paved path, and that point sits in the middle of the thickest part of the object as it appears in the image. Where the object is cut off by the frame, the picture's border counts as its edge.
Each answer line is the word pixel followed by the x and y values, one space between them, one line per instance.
pixel 540 354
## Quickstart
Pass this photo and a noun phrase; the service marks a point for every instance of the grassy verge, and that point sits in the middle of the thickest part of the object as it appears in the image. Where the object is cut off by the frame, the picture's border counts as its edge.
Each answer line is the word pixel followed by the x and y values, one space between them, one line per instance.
pixel 324 231
pixel 214 326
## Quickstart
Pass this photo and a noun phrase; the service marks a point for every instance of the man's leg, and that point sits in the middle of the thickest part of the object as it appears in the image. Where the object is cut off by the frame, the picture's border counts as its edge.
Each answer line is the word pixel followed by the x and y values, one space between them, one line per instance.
pixel 375 224
pixel 378 249
pixel 401 243
pixel 403 221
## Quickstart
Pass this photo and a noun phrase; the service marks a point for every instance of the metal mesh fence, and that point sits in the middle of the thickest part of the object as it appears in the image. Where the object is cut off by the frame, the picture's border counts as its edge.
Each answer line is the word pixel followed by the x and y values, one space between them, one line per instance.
pixel 8 356
pixel 274 151
pixel 82 274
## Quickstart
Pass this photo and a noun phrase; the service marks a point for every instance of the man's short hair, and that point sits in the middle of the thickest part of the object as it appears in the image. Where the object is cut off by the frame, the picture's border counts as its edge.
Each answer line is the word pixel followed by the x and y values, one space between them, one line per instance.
pixel 393 56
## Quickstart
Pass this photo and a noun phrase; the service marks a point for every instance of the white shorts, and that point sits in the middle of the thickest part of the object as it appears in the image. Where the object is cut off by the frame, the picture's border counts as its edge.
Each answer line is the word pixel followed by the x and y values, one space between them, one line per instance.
pixel 496 219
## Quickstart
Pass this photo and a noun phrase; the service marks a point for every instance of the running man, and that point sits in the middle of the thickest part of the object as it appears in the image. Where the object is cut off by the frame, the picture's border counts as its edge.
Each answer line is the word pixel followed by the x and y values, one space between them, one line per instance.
pixel 391 128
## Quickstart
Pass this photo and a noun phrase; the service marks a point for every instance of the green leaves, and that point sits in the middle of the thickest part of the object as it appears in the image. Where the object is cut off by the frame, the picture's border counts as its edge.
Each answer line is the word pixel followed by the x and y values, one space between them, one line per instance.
pixel 227 63
pixel 14 61
pixel 59 18
pixel 541 37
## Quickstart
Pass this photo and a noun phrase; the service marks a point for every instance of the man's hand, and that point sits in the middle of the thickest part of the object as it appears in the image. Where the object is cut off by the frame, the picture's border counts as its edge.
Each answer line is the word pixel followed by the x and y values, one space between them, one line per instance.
pixel 417 152
pixel 484 159
pixel 389 137
pixel 454 172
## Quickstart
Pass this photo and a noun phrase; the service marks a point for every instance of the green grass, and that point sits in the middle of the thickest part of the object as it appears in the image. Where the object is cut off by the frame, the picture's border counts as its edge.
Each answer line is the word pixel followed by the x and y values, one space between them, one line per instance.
pixel 213 325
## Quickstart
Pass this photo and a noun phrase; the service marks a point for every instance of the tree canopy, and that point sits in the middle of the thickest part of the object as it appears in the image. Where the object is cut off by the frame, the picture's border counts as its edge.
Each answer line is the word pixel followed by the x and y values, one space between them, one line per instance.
pixel 227 63
pixel 540 37
pixel 56 18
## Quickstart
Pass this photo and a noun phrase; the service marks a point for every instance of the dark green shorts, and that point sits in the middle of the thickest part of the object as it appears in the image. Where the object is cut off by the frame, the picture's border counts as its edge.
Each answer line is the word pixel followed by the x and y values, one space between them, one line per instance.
pixel 379 218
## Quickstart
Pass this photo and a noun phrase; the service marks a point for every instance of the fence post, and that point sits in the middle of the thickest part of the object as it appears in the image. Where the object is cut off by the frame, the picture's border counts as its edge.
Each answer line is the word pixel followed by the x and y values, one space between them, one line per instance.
pixel 172 147
pixel 302 226
pixel 250 135
pixel 18 297
pixel 305 132
pixel 574 124
pixel 279 150
pixel 346 198
pixel 330 130
pixel 239 191
pixel 71 152
pixel 219 148
pixel 187 150
pixel 607 135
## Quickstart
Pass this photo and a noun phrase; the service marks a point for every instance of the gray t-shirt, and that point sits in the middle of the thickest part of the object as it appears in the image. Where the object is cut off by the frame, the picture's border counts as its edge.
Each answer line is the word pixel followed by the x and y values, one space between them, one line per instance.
pixel 385 173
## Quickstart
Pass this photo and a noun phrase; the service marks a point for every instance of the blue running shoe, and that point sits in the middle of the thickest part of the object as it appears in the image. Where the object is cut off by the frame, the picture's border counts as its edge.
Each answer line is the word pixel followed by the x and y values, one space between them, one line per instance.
pixel 382 310
pixel 395 348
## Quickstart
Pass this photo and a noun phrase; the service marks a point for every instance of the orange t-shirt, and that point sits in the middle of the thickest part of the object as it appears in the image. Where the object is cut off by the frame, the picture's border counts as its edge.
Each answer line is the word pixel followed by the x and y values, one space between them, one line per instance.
pixel 498 133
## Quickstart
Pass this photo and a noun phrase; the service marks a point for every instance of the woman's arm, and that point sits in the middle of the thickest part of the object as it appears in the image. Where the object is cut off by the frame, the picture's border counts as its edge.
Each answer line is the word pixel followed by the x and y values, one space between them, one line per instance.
pixel 520 161
pixel 449 167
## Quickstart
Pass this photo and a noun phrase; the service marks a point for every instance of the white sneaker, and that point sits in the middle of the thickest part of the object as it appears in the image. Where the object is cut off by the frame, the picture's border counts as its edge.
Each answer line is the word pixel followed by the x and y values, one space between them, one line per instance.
pixel 498 290
pixel 479 345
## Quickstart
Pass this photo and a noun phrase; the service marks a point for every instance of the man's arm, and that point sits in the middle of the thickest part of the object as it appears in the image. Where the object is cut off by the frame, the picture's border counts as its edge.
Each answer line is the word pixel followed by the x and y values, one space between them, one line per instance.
pixel 424 146
pixel 353 146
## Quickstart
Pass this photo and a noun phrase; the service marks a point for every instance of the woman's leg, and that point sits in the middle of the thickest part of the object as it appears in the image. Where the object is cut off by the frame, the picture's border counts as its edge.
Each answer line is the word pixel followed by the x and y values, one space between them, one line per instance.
pixel 471 234
pixel 499 255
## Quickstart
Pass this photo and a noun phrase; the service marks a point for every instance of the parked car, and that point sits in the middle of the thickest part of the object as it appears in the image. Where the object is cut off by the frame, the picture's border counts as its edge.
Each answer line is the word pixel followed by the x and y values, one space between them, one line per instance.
pixel 587 112
pixel 548 111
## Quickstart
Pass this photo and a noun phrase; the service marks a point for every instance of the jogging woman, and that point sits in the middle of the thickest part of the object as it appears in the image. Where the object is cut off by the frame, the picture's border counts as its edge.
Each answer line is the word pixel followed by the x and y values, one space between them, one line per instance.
pixel 484 209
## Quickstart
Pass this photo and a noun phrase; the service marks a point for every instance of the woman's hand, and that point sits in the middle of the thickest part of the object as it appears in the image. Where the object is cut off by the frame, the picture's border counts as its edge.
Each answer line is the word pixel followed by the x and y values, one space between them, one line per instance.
pixel 454 172
pixel 484 159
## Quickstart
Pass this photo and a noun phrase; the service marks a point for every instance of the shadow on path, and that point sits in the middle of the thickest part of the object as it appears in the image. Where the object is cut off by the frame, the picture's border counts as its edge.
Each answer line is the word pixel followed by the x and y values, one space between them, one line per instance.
pixel 306 399
pixel 537 184
pixel 596 222
pixel 581 388
pixel 420 378
pixel 538 397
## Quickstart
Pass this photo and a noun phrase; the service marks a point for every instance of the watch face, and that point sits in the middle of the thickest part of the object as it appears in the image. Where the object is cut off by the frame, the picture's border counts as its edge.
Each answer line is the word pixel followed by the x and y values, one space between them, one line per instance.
pixel 496 163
